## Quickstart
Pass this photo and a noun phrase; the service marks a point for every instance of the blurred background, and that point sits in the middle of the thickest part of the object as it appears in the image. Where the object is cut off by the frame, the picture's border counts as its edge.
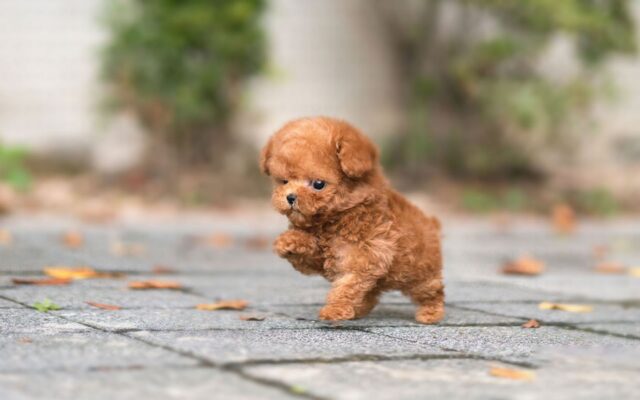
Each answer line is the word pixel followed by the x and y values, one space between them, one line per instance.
pixel 479 106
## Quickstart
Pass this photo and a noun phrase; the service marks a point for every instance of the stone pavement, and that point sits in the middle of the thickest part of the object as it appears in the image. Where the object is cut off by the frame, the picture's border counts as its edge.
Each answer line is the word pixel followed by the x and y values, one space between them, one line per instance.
pixel 159 346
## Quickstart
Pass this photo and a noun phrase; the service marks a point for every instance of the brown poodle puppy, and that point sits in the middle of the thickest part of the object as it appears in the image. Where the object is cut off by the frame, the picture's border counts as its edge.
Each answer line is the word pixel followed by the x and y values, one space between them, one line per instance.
pixel 347 224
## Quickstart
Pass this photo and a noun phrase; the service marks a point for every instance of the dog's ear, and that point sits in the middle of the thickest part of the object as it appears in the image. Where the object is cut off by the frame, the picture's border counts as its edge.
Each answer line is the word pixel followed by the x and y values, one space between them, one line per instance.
pixel 356 153
pixel 265 155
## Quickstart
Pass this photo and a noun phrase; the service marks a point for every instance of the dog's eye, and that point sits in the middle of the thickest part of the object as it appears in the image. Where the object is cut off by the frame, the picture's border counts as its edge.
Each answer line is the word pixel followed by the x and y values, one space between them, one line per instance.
pixel 284 181
pixel 318 184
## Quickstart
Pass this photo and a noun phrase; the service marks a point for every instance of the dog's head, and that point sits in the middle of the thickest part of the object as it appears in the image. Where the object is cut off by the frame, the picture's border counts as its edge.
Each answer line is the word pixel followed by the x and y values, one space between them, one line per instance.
pixel 320 167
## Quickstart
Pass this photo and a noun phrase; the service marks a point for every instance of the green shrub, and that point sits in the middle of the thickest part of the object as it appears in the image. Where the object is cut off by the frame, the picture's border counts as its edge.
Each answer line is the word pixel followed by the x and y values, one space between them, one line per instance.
pixel 12 167
pixel 179 65
pixel 480 105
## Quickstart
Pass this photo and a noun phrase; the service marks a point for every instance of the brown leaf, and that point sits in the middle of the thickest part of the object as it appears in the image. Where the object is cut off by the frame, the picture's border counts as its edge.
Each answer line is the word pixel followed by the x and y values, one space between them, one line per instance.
pixel 154 284
pixel 41 281
pixel 515 374
pixel 223 305
pixel 564 218
pixel 523 266
pixel 252 317
pixel 109 307
pixel 532 323
pixel 258 243
pixel 73 240
pixel 575 308
pixel 5 237
pixel 25 340
pixel 78 273
pixel 219 240
pixel 163 270
pixel 610 268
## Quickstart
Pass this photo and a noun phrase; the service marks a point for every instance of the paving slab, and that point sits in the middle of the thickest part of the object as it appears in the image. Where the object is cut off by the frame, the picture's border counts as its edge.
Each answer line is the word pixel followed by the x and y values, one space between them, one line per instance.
pixel 461 291
pixel 514 344
pixel 450 379
pixel 75 297
pixel 80 351
pixel 601 312
pixel 398 315
pixel 631 330
pixel 16 320
pixel 152 383
pixel 184 319
pixel 285 344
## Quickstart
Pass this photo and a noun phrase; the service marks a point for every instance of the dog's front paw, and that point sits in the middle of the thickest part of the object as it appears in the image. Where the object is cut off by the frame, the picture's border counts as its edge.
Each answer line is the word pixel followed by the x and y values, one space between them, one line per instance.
pixel 293 243
pixel 334 312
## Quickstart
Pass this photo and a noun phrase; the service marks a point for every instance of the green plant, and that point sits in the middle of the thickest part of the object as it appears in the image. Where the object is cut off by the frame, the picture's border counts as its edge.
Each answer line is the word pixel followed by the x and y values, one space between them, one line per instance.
pixel 598 202
pixel 179 65
pixel 46 305
pixel 12 167
pixel 485 107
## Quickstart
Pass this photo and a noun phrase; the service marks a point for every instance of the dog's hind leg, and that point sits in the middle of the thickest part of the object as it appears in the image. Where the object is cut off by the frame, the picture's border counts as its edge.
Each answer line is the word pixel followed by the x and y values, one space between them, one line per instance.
pixel 429 296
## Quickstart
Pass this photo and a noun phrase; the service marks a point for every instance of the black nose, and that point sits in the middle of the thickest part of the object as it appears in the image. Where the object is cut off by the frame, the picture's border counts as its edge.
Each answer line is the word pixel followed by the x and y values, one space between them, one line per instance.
pixel 291 198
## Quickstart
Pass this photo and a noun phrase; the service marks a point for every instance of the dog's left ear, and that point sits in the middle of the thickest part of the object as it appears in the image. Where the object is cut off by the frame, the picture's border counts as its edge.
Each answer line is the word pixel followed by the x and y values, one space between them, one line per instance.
pixel 265 155
pixel 356 153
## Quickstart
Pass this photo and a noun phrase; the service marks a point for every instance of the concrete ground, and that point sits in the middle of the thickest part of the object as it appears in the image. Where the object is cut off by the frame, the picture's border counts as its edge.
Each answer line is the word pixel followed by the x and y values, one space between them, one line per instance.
pixel 159 346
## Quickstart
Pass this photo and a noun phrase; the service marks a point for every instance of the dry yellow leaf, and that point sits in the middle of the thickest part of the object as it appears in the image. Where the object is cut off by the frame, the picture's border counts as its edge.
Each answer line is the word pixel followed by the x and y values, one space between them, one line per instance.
pixel 635 271
pixel 523 266
pixel 564 218
pixel 515 374
pixel 73 272
pixel 610 268
pixel 223 305
pixel 252 318
pixel 575 308
pixel 5 237
pixel 73 239
pixel 154 284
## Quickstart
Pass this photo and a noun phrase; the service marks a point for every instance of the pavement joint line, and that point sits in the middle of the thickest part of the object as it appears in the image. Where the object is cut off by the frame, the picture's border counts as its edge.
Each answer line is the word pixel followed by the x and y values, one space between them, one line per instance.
pixel 103 369
pixel 523 364
pixel 355 358
pixel 202 361
pixel 565 325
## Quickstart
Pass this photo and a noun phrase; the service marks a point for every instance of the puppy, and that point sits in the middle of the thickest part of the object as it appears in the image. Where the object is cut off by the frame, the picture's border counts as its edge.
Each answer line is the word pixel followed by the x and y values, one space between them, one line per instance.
pixel 347 224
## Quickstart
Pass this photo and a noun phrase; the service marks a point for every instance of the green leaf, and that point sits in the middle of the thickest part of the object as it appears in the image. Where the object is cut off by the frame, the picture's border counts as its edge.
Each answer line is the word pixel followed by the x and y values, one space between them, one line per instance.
pixel 46 305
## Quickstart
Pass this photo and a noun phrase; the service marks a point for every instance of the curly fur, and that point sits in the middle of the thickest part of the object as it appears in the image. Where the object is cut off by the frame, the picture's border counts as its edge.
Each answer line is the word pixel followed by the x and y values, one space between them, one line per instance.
pixel 357 232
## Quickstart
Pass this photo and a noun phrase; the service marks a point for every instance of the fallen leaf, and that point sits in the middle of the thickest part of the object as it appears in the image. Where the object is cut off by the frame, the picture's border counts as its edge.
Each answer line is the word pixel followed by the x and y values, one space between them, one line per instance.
pixel 635 272
pixel 610 268
pixel 564 218
pixel 5 237
pixel 73 240
pixel 523 266
pixel 532 323
pixel 41 281
pixel 252 317
pixel 78 273
pixel 219 240
pixel 25 340
pixel 575 308
pixel 162 270
pixel 515 374
pixel 258 243
pixel 109 307
pixel 122 249
pixel 153 284
pixel 46 305
pixel 223 305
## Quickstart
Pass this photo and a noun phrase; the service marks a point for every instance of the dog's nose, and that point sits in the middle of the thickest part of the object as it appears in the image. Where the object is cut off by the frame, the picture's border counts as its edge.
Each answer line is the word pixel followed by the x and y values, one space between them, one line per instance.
pixel 291 198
